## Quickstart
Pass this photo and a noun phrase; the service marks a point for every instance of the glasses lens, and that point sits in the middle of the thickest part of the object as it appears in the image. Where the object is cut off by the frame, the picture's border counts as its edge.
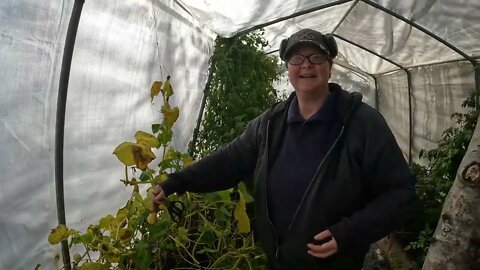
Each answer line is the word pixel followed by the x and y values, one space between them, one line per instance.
pixel 317 58
pixel 296 59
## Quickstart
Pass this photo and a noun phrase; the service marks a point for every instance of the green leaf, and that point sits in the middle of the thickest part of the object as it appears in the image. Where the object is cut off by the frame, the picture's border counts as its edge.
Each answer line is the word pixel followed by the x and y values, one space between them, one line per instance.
pixel 222 216
pixel 86 238
pixel 141 219
pixel 142 256
pixel 107 222
pixel 161 228
pixel 165 136
pixel 156 128
pixel 243 190
pixel 145 176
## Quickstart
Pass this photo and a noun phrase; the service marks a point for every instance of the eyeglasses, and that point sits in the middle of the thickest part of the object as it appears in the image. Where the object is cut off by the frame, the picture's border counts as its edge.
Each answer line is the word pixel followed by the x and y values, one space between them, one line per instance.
pixel 315 59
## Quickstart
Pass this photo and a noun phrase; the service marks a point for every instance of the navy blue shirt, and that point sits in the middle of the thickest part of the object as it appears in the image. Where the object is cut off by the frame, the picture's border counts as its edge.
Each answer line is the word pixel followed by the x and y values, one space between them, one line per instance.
pixel 305 145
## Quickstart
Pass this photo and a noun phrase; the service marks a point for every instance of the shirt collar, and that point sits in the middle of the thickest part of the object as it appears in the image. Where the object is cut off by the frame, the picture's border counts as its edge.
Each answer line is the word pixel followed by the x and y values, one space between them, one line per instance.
pixel 325 114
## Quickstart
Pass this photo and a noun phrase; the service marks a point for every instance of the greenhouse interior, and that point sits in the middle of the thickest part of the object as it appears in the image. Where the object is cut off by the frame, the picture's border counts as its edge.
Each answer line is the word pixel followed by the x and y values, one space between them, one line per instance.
pixel 81 77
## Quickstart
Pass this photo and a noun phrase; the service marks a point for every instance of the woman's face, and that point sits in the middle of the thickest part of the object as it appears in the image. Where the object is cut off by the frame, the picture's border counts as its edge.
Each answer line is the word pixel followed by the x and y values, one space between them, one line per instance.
pixel 308 77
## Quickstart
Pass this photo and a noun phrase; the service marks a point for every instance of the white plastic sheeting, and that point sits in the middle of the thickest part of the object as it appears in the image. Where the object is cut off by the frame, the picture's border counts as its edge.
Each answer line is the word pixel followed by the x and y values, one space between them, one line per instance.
pixel 226 18
pixel 123 46
pixel 355 81
pixel 394 104
pixel 457 22
pixel 116 59
pixel 438 91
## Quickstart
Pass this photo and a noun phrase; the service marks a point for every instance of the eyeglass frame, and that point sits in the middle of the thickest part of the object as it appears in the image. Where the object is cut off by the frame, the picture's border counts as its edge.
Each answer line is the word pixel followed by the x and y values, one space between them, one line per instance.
pixel 326 58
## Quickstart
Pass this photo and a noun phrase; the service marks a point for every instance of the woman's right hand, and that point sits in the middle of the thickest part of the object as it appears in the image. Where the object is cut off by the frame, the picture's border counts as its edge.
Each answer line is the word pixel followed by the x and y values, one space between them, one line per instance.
pixel 158 197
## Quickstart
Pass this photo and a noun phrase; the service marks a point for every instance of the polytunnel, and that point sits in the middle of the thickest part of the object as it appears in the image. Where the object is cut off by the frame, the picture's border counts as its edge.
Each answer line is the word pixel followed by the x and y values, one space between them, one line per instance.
pixel 415 61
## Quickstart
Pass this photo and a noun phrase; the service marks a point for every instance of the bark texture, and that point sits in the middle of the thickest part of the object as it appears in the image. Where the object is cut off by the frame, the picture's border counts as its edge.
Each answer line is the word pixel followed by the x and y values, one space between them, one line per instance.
pixel 456 241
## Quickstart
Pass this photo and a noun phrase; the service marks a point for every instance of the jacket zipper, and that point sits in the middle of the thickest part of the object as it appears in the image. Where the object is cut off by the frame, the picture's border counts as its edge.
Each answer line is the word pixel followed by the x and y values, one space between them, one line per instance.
pixel 314 176
pixel 266 191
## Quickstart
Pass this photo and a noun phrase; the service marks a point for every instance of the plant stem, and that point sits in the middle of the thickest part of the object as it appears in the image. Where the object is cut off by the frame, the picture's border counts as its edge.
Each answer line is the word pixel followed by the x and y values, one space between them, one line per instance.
pixel 184 248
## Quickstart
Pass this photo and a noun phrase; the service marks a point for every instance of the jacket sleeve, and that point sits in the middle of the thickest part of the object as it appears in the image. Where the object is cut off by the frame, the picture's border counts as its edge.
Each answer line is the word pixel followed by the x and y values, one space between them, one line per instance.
pixel 221 169
pixel 389 186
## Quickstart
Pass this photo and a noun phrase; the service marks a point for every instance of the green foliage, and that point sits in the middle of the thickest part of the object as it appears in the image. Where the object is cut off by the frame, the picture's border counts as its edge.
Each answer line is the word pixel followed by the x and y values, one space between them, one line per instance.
pixel 437 176
pixel 214 232
pixel 240 89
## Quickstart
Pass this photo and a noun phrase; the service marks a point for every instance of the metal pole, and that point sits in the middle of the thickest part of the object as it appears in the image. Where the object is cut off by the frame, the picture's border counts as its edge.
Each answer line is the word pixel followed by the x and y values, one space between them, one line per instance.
pixel 368 50
pixel 476 68
pixel 376 92
pixel 303 12
pixel 200 114
pixel 60 120
pixel 410 116
pixel 345 16
pixel 417 26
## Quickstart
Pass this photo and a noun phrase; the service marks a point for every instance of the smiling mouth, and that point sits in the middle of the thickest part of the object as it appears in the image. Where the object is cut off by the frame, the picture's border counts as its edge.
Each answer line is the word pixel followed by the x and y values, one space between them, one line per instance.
pixel 307 76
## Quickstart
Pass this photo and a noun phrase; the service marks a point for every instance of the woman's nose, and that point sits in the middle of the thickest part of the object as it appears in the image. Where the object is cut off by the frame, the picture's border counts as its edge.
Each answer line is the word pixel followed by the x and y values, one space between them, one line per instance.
pixel 306 62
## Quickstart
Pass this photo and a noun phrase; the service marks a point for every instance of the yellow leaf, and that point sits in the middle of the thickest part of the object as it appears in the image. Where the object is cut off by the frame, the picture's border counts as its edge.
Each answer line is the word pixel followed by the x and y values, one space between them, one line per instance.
pixel 155 89
pixel 60 233
pixel 167 88
pixel 134 154
pixel 146 139
pixel 93 266
pixel 108 222
pixel 170 153
pixel 143 155
pixel 182 237
pixel 77 257
pixel 152 218
pixel 147 201
pixel 124 153
pixel 165 107
pixel 170 116
pixel 125 234
pixel 187 160
pixel 163 177
pixel 122 213
pixel 160 178
pixel 240 214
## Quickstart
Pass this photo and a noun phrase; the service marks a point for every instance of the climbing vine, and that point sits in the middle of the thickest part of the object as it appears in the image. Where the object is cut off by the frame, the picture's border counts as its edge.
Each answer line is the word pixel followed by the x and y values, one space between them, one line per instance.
pixel 240 89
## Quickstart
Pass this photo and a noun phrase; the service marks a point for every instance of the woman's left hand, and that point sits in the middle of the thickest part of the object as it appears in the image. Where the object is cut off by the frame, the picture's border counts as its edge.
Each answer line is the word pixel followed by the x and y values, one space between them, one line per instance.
pixel 326 249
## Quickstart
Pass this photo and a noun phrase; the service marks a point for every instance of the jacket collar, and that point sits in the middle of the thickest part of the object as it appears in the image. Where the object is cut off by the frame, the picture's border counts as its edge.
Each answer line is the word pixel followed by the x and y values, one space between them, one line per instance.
pixel 326 114
pixel 346 103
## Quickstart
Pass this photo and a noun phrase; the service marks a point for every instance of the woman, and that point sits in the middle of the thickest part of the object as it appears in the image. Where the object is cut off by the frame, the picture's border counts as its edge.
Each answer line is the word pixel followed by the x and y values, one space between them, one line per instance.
pixel 329 178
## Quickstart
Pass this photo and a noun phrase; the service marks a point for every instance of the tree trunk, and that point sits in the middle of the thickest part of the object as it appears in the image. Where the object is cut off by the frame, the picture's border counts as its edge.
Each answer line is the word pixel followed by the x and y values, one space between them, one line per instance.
pixel 456 241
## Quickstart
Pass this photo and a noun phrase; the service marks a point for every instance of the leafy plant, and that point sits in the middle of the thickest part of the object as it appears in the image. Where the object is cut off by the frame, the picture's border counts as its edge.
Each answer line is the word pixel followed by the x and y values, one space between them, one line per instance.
pixel 214 232
pixel 437 176
pixel 240 89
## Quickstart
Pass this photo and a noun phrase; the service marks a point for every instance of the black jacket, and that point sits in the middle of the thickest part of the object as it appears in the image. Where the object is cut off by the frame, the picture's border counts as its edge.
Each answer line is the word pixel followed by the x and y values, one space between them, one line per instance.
pixel 360 191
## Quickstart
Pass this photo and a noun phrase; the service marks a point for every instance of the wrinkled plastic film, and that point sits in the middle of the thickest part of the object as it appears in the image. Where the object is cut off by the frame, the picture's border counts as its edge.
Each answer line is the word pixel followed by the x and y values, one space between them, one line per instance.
pixel 121 48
